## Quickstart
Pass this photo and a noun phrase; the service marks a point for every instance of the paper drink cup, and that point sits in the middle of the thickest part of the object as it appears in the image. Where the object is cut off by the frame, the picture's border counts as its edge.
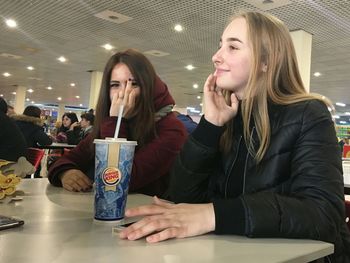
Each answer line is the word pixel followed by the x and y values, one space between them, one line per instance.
pixel 113 164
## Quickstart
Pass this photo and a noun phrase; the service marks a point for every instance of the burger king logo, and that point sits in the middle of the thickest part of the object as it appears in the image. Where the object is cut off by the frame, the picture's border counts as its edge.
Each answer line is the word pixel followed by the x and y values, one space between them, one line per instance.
pixel 111 176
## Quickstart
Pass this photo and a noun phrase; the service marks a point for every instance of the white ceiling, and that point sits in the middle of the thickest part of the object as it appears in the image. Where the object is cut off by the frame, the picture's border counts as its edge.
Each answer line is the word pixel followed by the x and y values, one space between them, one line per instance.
pixel 48 29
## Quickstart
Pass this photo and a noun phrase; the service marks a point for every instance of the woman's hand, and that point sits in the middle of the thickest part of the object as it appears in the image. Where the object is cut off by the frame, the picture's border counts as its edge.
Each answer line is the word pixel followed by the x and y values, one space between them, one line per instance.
pixel 76 181
pixel 75 124
pixel 164 221
pixel 216 111
pixel 125 96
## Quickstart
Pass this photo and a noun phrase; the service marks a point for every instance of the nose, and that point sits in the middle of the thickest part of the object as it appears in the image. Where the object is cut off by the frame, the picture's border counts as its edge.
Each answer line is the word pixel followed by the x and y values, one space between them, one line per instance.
pixel 217 58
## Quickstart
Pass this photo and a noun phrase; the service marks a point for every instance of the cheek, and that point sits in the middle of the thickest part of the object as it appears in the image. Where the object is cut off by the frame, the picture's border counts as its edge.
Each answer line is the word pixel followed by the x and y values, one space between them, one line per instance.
pixel 111 93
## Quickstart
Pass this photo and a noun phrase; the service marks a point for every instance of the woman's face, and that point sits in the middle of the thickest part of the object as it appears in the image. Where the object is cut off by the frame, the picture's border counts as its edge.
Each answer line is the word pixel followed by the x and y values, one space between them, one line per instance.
pixel 233 59
pixel 119 76
pixel 66 122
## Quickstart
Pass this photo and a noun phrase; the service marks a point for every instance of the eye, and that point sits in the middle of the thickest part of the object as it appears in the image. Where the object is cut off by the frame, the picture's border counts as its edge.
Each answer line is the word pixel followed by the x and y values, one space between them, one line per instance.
pixel 232 47
pixel 134 83
pixel 114 85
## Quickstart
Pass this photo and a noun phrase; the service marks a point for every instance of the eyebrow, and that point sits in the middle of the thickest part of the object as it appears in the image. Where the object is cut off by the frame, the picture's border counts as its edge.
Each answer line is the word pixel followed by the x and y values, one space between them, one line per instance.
pixel 232 39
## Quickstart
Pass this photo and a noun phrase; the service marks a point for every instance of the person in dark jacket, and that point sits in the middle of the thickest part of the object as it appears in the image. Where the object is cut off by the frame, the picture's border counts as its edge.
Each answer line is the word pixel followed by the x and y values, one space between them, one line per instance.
pixel 129 79
pixel 79 130
pixel 31 127
pixel 68 119
pixel 264 160
pixel 12 142
pixel 187 121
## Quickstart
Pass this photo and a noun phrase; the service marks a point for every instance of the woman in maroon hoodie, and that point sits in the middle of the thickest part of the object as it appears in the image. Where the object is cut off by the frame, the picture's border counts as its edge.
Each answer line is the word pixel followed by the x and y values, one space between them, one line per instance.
pixel 130 79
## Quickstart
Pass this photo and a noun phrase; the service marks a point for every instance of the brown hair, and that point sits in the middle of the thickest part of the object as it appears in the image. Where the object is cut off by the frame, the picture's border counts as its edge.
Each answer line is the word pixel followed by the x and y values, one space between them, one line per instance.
pixel 142 125
pixel 271 45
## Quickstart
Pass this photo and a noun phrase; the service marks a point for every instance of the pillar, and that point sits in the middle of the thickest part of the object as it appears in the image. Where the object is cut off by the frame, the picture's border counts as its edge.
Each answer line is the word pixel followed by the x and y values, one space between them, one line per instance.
pixel 303 45
pixel 96 80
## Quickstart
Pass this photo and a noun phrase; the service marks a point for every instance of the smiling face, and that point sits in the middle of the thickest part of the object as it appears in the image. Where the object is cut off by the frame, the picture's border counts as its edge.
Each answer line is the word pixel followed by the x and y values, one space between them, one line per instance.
pixel 233 59
pixel 119 76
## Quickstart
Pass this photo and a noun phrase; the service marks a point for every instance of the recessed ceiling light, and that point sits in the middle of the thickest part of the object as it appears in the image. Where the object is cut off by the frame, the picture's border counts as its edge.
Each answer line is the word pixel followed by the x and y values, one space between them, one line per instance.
pixel 81 105
pixel 62 59
pixel 14 93
pixel 201 104
pixel 72 84
pixel 33 101
pixel 30 68
pixel 49 88
pixel 1 95
pixel 59 98
pixel 77 97
pixel 340 104
pixel 11 23
pixel 178 28
pixel 6 74
pixel 30 90
pixel 108 46
pixel 199 97
pixel 317 74
pixel 195 86
pixel 27 99
pixel 189 67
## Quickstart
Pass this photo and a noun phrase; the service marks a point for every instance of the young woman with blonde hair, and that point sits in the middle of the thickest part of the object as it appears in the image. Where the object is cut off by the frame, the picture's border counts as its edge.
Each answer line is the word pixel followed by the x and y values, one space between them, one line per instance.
pixel 264 159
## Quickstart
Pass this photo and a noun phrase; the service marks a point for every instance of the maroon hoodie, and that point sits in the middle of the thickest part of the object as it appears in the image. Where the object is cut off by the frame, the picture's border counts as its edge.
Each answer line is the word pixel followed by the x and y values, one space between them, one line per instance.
pixel 152 162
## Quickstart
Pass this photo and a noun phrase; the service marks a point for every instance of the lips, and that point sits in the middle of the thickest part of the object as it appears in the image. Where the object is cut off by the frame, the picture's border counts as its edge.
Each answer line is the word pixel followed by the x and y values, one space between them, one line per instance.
pixel 220 71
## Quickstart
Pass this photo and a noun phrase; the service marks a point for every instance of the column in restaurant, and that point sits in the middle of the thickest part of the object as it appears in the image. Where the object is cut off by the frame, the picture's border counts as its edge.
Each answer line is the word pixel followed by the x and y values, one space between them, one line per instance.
pixel 20 99
pixel 96 80
pixel 303 45
pixel 61 111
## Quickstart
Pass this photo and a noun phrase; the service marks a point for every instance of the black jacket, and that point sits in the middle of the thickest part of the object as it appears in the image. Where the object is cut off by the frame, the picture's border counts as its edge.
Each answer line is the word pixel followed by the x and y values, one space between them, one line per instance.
pixel 32 130
pixel 296 191
pixel 12 142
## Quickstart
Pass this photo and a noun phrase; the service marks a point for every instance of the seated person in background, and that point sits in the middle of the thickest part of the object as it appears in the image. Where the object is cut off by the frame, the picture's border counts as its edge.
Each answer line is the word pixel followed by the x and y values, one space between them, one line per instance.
pixel 67 120
pixel 190 125
pixel 31 127
pixel 264 160
pixel 79 130
pixel 12 142
pixel 129 79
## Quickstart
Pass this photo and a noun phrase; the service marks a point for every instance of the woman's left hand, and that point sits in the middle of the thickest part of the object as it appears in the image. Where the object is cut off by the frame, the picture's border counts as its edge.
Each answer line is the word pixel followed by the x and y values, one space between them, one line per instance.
pixel 164 220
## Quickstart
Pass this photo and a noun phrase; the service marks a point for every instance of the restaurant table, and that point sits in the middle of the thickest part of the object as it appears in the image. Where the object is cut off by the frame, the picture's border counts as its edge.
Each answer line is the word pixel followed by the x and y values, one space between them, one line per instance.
pixel 57 145
pixel 59 227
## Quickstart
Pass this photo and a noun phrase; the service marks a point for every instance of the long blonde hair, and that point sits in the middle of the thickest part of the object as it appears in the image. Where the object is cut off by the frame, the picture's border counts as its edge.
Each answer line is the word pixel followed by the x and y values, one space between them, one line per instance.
pixel 281 83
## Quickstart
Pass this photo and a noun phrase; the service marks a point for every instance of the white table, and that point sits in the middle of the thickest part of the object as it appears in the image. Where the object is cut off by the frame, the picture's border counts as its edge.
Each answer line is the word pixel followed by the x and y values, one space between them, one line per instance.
pixel 59 227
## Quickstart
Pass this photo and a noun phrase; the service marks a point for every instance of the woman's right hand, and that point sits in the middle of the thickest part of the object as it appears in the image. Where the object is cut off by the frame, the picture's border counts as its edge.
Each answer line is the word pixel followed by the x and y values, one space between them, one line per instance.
pixel 216 110
pixel 75 180
pixel 125 96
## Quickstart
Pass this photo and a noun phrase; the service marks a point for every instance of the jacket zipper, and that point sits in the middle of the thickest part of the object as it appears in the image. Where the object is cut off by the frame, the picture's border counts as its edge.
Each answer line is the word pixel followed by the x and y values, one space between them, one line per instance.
pixel 233 163
pixel 246 162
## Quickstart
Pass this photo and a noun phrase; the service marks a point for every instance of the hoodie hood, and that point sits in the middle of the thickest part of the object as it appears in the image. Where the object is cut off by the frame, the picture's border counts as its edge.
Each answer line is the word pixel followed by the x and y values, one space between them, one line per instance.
pixel 162 97
pixel 25 118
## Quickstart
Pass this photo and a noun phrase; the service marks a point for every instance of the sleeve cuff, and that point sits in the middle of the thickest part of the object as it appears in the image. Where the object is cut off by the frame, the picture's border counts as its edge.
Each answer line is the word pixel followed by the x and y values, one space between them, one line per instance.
pixel 207 133
pixel 229 216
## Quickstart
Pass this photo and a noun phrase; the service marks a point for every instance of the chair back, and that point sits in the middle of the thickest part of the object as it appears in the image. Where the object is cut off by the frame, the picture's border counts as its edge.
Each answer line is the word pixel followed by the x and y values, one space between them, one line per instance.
pixel 34 156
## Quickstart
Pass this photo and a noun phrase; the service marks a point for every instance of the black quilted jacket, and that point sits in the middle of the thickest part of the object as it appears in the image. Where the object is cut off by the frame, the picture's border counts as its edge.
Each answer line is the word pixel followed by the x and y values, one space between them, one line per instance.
pixel 296 191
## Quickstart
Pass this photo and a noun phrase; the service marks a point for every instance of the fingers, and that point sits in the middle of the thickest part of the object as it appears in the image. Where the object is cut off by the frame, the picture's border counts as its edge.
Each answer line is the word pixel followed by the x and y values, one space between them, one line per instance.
pixel 164 235
pixel 144 210
pixel 210 83
pixel 149 225
pixel 75 180
pixel 162 203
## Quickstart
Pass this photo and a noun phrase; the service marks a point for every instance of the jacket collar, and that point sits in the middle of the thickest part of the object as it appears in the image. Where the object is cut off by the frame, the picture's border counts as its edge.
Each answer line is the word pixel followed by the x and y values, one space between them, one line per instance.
pixel 30 119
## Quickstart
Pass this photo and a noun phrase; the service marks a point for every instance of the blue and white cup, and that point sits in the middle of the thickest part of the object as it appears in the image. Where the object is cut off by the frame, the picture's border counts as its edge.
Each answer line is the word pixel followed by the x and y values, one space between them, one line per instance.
pixel 113 165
